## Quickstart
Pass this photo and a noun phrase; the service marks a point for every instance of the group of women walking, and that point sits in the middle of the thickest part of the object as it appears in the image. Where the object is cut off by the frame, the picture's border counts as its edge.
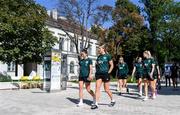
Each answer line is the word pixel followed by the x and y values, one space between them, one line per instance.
pixel 143 70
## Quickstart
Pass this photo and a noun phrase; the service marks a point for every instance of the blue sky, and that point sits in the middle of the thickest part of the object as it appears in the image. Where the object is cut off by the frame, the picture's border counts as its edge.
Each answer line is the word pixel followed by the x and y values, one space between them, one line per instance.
pixel 50 4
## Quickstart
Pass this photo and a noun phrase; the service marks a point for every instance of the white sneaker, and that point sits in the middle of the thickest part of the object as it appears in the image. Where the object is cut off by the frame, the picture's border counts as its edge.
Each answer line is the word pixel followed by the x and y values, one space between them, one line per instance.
pixel 145 99
pixel 80 104
pixel 140 94
pixel 154 97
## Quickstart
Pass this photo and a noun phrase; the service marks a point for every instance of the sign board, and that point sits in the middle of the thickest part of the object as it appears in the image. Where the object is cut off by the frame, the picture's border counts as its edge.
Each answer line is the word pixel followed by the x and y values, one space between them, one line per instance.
pixel 52 71
pixel 55 70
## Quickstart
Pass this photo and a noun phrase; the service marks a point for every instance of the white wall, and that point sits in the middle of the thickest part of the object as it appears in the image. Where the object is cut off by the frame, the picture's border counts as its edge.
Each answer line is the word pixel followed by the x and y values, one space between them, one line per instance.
pixel 3 67
pixel 66 50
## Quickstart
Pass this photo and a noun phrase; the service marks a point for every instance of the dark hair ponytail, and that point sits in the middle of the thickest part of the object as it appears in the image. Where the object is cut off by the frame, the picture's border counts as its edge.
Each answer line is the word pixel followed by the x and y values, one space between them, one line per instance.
pixel 85 51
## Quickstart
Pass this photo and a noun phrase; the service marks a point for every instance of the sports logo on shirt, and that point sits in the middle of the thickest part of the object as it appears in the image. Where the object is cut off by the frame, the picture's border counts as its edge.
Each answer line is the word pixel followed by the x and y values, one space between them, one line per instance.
pixel 99 62
pixel 104 58
pixel 146 64
pixel 86 63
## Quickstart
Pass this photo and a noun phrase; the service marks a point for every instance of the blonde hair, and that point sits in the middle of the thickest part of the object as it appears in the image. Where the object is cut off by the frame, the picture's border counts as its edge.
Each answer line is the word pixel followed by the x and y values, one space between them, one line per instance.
pixel 104 46
pixel 148 53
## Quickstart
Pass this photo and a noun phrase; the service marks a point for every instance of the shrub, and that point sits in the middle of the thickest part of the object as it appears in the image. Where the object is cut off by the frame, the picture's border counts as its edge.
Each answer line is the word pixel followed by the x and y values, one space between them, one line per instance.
pixel 5 78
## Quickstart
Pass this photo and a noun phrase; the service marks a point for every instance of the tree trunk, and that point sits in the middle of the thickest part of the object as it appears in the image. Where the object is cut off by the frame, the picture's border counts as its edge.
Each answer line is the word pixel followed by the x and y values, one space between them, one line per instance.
pixel 28 67
pixel 16 68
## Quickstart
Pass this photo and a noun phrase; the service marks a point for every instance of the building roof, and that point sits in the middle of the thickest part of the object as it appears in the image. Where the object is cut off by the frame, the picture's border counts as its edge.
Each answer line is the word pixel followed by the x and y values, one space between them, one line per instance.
pixel 64 24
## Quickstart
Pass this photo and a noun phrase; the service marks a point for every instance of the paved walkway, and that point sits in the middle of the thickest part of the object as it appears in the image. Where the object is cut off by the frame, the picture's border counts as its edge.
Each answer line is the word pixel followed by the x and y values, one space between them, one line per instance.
pixel 38 102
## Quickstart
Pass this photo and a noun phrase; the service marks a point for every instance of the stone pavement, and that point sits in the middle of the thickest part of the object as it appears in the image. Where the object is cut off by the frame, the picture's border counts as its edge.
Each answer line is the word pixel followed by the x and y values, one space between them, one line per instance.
pixel 7 85
pixel 38 102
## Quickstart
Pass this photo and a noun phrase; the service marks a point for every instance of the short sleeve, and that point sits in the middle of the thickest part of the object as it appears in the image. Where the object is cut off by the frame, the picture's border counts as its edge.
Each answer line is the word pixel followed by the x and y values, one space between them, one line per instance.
pixel 109 57
pixel 90 62
pixel 134 64
pixel 153 61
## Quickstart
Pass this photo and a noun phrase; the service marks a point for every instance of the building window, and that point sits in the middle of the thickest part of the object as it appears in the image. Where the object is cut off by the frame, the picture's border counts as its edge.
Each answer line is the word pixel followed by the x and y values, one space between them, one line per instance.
pixel 90 50
pixel 81 46
pixel 11 66
pixel 71 46
pixel 72 67
pixel 61 44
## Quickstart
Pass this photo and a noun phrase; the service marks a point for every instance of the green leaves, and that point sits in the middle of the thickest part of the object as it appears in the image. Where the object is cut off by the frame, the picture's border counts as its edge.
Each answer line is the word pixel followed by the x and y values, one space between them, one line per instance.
pixel 23 36
pixel 128 25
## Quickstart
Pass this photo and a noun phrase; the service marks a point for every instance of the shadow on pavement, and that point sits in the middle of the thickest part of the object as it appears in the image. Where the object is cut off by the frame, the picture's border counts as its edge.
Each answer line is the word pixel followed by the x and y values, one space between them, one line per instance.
pixel 76 101
pixel 103 103
pixel 132 96
pixel 169 91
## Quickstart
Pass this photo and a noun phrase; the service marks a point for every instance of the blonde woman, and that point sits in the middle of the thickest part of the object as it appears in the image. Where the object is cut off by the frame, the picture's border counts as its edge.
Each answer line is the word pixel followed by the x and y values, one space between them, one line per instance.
pixel 149 67
pixel 104 66
pixel 122 74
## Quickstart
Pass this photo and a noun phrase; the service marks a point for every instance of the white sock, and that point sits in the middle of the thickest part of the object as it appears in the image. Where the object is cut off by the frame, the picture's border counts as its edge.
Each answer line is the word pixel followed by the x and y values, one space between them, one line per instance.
pixel 96 103
pixel 140 89
pixel 112 100
pixel 81 101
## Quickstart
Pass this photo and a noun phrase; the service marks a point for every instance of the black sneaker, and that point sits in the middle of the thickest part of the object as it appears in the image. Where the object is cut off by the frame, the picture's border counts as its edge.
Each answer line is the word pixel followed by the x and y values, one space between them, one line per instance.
pixel 112 104
pixel 94 106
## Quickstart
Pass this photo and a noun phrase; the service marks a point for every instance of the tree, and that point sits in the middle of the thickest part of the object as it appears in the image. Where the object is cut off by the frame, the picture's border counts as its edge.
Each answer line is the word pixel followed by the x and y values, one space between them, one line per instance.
pixel 82 14
pixel 168 34
pixel 163 18
pixel 154 12
pixel 23 35
pixel 128 24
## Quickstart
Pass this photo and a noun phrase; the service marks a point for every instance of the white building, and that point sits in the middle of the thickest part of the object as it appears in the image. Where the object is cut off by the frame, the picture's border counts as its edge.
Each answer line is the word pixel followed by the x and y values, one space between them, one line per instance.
pixel 65 46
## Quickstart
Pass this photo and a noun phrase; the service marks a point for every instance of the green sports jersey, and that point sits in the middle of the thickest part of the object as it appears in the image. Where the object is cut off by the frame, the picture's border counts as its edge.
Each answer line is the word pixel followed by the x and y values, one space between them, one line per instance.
pixel 122 69
pixel 148 65
pixel 102 63
pixel 85 67
pixel 139 68
pixel 155 70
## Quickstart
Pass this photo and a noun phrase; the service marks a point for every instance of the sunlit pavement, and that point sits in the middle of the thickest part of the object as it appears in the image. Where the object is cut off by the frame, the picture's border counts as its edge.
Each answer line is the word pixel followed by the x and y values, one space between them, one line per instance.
pixel 38 102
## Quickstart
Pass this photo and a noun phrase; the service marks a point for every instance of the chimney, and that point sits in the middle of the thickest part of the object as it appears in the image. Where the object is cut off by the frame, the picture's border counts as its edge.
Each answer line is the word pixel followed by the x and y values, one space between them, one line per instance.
pixel 55 14
pixel 49 13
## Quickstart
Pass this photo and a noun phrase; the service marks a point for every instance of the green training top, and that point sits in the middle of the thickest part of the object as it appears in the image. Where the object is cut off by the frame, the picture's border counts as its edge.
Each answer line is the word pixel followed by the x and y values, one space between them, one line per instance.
pixel 148 65
pixel 155 70
pixel 85 67
pixel 122 69
pixel 139 68
pixel 102 63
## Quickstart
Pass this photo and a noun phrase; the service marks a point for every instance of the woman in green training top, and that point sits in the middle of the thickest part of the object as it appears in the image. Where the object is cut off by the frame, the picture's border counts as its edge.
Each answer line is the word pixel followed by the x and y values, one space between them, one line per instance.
pixel 138 68
pixel 85 75
pixel 149 66
pixel 104 66
pixel 156 77
pixel 122 74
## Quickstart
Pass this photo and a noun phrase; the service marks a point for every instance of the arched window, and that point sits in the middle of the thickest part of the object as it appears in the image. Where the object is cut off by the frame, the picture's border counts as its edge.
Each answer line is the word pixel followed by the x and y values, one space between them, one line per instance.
pixel 61 44
pixel 71 46
pixel 72 67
